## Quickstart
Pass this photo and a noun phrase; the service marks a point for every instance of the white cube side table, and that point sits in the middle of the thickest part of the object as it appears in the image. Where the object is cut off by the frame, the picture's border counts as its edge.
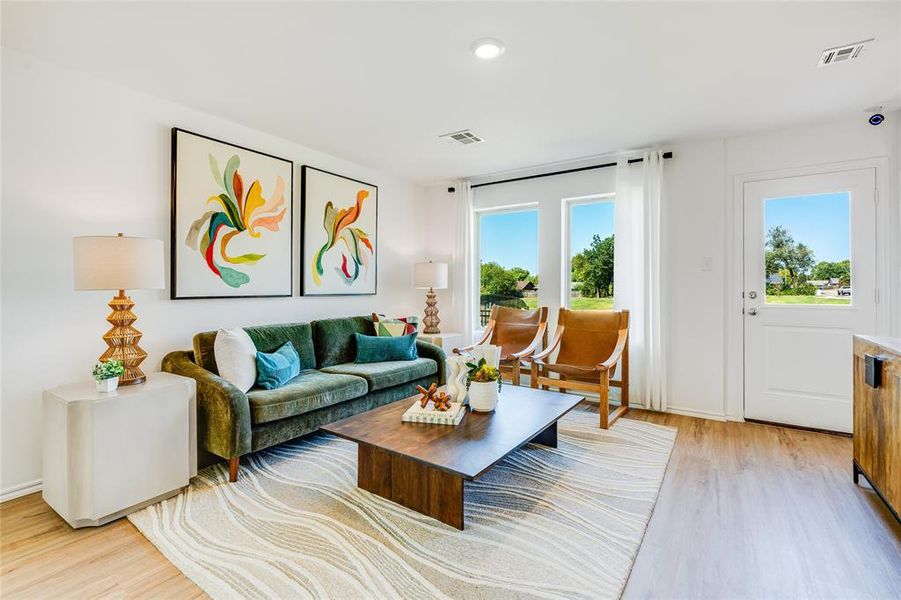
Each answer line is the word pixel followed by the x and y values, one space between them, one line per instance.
pixel 446 340
pixel 108 454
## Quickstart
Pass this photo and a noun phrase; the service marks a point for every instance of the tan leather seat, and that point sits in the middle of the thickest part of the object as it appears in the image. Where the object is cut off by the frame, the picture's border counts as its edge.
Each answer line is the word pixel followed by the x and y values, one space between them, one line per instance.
pixel 589 344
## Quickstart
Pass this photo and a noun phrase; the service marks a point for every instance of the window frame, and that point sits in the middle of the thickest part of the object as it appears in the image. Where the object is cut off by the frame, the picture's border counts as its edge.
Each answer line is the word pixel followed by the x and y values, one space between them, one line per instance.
pixel 477 250
pixel 764 284
pixel 566 241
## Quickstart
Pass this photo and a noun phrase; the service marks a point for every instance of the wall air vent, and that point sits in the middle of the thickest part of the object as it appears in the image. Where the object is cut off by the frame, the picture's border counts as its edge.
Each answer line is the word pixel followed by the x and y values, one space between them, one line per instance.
pixel 464 137
pixel 839 54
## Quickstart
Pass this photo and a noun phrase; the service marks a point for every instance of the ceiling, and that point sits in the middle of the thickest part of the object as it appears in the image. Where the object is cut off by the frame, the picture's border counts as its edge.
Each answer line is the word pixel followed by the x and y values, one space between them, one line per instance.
pixel 377 82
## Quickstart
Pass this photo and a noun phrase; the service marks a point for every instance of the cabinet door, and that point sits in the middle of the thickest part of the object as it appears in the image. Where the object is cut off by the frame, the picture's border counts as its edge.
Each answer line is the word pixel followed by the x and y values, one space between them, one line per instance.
pixel 877 423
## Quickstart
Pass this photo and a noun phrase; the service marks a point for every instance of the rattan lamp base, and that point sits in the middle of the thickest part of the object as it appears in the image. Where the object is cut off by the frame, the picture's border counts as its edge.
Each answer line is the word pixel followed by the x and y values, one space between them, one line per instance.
pixel 430 314
pixel 123 339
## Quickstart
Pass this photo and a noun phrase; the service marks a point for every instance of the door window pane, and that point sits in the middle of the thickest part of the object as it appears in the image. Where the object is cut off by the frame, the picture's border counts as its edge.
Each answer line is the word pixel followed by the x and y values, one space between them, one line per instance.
pixel 508 260
pixel 591 255
pixel 807 249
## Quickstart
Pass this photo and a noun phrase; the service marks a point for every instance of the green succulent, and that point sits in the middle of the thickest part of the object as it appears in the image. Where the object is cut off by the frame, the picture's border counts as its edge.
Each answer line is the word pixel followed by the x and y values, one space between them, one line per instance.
pixel 108 369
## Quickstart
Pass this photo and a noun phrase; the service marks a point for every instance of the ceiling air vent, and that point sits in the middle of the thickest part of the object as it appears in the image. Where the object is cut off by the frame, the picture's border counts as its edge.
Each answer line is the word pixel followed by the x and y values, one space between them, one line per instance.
pixel 464 137
pixel 831 56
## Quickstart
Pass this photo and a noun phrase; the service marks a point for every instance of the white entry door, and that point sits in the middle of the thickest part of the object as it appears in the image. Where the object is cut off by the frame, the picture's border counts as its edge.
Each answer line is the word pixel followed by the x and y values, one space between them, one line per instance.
pixel 809 285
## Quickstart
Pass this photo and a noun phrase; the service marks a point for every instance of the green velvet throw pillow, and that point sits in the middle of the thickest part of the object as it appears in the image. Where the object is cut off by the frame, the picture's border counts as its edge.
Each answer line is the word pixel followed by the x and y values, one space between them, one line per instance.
pixel 277 368
pixel 372 348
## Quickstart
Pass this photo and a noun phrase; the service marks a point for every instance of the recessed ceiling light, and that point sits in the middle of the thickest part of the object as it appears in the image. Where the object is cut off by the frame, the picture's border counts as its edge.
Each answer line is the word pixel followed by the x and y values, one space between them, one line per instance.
pixel 487 48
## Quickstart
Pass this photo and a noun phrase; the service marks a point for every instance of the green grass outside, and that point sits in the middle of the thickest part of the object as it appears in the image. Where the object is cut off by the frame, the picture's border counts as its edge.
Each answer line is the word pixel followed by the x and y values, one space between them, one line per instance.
pixel 807 300
pixel 579 303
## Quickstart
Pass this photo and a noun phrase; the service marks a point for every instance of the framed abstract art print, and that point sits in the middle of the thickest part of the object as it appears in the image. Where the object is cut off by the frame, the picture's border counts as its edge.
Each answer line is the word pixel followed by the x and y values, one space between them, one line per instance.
pixel 339 217
pixel 231 220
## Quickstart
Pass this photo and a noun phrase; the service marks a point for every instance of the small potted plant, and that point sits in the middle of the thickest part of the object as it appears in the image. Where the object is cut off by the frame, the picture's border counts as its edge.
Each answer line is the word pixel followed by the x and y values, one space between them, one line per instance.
pixel 484 385
pixel 107 373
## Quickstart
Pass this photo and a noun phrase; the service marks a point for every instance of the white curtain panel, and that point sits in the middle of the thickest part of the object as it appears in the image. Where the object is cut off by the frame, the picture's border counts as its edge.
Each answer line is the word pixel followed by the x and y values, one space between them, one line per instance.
pixel 638 276
pixel 462 274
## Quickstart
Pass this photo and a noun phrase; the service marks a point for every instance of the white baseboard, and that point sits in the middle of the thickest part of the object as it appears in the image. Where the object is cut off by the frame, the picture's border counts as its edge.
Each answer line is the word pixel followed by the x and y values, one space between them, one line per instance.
pixel 23 489
pixel 701 414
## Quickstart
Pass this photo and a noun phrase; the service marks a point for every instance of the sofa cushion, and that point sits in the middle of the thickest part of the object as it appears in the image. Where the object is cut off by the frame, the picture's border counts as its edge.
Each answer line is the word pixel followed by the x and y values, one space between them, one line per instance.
pixel 266 338
pixel 308 391
pixel 385 326
pixel 374 348
pixel 236 357
pixel 334 341
pixel 275 369
pixel 382 375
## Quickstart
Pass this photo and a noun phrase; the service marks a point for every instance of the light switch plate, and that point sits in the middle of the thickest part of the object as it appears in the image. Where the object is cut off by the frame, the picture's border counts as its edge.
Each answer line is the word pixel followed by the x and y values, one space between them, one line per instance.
pixel 706 263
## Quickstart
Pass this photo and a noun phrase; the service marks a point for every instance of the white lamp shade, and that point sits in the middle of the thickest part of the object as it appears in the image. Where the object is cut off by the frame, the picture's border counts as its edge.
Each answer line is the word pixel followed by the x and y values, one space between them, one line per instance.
pixel 430 275
pixel 118 263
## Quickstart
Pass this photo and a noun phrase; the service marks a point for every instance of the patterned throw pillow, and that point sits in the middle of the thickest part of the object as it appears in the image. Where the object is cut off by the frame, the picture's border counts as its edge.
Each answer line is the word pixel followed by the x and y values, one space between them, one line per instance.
pixel 385 327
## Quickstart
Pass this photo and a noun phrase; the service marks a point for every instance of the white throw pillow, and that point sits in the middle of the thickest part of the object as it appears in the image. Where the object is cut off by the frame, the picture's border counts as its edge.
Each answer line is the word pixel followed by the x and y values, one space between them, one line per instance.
pixel 236 357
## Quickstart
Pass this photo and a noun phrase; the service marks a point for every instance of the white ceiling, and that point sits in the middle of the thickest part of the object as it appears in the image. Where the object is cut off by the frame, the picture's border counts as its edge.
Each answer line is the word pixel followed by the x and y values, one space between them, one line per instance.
pixel 378 82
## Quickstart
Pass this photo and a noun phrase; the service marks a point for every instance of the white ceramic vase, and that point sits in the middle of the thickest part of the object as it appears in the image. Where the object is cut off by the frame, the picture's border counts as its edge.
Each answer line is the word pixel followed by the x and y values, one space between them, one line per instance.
pixel 456 378
pixel 107 385
pixel 483 396
pixel 490 352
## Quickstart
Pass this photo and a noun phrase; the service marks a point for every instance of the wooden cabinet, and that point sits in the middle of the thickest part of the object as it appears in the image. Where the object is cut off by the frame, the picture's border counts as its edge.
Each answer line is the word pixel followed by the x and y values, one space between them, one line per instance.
pixel 877 418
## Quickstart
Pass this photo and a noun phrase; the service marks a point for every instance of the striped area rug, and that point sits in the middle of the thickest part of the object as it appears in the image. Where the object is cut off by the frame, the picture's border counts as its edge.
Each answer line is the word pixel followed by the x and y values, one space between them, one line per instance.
pixel 544 523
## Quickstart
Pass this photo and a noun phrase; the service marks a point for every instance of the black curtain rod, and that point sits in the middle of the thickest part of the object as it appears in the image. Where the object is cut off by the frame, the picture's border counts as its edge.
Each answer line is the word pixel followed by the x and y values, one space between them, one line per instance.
pixel 632 161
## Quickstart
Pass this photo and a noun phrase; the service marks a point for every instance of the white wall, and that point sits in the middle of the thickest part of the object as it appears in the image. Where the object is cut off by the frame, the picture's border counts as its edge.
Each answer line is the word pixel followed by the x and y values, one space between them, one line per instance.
pixel 82 156
pixel 829 143
pixel 698 223
pixel 704 363
pixel 434 227
pixel 694 227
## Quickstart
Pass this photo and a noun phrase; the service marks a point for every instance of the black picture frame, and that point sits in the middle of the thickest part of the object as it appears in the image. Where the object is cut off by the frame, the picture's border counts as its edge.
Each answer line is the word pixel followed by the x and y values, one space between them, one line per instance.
pixel 304 169
pixel 173 239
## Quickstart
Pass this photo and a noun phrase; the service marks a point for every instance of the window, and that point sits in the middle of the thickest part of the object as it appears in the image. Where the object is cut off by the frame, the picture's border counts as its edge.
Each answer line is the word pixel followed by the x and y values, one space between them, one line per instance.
pixel 807 249
pixel 589 227
pixel 508 260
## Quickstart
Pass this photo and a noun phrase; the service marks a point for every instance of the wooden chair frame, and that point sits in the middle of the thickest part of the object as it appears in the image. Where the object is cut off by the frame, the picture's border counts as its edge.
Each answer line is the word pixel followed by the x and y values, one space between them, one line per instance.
pixel 512 363
pixel 541 369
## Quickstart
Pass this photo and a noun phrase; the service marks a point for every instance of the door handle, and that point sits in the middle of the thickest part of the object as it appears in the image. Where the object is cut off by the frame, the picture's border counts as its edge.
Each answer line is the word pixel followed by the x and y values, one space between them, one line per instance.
pixel 752 311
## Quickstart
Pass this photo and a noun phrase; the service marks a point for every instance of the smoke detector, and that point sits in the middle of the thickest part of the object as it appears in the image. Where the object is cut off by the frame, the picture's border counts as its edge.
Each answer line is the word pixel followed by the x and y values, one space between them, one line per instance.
pixel 830 56
pixel 464 137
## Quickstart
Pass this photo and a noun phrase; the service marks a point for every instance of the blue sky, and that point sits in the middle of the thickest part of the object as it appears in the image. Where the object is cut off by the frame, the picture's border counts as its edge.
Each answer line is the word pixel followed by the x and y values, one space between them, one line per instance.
pixel 511 238
pixel 819 221
pixel 588 220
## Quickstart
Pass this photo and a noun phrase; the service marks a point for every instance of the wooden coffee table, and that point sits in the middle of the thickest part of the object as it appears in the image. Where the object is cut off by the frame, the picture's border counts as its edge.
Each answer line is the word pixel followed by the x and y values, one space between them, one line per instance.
pixel 423 466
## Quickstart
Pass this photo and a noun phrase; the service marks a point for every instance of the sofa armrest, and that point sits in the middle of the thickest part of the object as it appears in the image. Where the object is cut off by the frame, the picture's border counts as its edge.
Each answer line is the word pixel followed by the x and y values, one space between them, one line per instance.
pixel 223 411
pixel 436 353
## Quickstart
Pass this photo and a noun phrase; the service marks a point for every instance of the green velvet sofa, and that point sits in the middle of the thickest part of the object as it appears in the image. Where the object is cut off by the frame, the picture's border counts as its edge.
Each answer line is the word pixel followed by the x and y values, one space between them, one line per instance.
pixel 331 386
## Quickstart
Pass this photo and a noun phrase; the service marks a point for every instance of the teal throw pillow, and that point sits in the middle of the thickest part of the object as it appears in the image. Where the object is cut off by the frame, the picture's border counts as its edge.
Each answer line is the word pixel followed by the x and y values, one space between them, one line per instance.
pixel 277 368
pixel 372 348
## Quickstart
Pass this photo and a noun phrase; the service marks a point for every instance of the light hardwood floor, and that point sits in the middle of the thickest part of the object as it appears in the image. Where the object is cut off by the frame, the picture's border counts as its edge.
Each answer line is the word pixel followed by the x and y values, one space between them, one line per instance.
pixel 746 511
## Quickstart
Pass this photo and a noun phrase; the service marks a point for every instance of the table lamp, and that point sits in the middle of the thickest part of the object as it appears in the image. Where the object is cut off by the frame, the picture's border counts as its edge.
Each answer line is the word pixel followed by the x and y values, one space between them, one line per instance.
pixel 430 276
pixel 120 263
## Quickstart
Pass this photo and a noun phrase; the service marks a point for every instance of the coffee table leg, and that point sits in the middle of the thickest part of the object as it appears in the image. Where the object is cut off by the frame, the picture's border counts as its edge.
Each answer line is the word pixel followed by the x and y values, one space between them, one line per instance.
pixel 419 487
pixel 548 437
